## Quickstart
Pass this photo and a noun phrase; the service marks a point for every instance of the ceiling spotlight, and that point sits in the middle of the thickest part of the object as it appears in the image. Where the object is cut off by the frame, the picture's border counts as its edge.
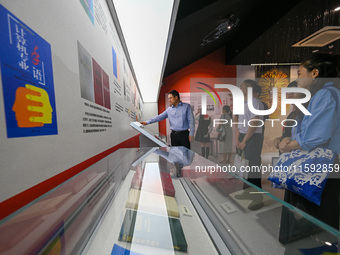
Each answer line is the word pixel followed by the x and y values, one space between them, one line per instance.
pixel 337 9
pixel 315 51
pixel 221 29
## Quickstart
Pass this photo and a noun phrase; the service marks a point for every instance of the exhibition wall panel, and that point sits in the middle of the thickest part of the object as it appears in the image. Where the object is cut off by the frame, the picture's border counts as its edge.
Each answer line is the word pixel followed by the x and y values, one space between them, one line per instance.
pixel 67 89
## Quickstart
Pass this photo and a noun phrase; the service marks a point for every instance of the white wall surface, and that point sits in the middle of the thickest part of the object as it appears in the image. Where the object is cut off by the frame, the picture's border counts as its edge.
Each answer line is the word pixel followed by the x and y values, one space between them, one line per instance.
pixel 27 161
pixel 150 110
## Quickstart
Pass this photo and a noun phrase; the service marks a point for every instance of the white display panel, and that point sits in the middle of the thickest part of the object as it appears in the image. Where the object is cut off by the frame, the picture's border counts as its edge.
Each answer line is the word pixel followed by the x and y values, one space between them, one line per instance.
pixel 140 128
pixel 91 85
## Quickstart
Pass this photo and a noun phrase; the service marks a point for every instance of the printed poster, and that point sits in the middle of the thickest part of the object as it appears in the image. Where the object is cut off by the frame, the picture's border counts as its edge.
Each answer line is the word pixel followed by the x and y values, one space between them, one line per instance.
pixel 269 77
pixel 117 88
pixel 94 81
pixel 27 79
pixel 88 7
pixel 106 90
pixel 115 63
pixel 98 83
pixel 101 85
pixel 85 74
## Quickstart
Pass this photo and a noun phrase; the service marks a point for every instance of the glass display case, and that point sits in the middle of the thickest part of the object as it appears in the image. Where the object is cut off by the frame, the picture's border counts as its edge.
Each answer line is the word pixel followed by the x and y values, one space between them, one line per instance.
pixel 162 201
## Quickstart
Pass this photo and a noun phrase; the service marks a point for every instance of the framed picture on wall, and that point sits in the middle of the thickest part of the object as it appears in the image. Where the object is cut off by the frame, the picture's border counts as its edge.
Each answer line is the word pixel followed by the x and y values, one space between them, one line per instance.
pixel 210 107
pixel 269 77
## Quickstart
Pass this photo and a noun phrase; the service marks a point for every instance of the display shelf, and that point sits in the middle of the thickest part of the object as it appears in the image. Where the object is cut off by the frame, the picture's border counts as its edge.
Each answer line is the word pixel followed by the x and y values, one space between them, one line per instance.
pixel 159 201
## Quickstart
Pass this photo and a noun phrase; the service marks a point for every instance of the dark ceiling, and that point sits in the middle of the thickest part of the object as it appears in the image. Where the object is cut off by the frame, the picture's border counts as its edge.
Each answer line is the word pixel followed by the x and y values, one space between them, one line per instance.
pixel 261 31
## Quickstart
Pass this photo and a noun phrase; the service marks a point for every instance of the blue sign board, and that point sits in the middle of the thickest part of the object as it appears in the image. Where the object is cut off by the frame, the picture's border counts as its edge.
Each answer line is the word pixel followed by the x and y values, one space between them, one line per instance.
pixel 27 79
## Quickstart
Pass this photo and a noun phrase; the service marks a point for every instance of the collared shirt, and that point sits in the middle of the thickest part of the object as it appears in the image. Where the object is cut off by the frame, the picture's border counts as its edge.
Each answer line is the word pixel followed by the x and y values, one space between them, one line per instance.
pixel 180 117
pixel 248 115
pixel 323 125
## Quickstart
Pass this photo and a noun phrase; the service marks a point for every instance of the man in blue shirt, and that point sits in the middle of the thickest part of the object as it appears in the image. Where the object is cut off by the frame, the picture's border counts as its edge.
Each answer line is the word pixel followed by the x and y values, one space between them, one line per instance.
pixel 181 120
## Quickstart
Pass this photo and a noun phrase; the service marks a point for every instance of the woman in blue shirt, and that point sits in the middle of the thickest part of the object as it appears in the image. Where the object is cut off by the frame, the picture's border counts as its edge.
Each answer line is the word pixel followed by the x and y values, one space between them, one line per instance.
pixel 320 129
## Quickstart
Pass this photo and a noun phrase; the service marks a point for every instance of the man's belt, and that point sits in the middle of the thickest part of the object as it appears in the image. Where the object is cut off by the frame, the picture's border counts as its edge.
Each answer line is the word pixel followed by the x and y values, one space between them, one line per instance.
pixel 179 132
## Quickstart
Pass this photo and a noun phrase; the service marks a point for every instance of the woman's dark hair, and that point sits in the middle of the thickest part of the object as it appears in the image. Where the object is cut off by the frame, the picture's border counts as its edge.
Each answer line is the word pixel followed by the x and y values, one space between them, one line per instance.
pixel 327 65
pixel 174 93
pixel 293 84
pixel 227 109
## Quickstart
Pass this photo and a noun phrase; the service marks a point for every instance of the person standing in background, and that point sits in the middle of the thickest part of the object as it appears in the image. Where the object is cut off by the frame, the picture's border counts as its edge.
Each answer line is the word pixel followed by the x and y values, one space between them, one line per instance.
pixel 203 132
pixel 225 147
pixel 181 120
pixel 250 138
pixel 257 90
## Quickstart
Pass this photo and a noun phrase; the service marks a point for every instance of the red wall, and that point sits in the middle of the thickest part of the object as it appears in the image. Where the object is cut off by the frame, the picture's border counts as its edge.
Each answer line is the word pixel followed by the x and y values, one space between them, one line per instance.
pixel 211 66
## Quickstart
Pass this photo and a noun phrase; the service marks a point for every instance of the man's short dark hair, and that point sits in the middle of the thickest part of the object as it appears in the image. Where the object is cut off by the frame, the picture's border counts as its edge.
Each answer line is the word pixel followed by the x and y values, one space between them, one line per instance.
pixel 257 89
pixel 250 83
pixel 174 93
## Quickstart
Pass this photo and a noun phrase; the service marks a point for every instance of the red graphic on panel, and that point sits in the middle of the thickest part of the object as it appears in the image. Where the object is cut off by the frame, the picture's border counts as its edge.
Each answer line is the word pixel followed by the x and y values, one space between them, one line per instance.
pixel 97 83
pixel 35 55
pixel 106 90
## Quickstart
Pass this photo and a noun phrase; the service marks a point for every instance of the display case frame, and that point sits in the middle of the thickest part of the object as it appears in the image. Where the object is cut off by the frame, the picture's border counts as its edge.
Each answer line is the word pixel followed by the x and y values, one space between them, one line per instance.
pixel 89 210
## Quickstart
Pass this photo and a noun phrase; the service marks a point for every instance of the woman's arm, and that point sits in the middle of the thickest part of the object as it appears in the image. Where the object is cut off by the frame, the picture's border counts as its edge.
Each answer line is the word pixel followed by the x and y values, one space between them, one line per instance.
pixel 319 127
pixel 277 141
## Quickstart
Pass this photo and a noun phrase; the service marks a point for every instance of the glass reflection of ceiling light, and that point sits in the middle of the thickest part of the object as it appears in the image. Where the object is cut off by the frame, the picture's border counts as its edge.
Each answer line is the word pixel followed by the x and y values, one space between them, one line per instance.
pixel 328 243
pixel 154 201
pixel 221 29
pixel 337 9
pixel 147 27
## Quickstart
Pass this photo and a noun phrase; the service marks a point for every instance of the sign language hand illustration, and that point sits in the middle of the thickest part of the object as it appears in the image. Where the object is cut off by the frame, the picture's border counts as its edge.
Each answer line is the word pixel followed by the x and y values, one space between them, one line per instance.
pixel 32 107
